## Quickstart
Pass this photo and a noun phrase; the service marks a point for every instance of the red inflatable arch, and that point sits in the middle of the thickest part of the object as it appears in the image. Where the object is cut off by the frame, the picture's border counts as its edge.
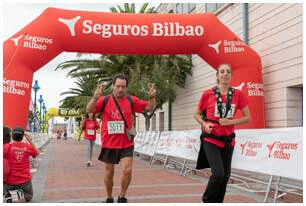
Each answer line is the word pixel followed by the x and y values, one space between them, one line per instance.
pixel 58 30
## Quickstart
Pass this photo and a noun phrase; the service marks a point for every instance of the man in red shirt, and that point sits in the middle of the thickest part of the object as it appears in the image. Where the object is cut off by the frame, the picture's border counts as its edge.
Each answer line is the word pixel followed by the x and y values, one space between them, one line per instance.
pixel 117 119
pixel 18 154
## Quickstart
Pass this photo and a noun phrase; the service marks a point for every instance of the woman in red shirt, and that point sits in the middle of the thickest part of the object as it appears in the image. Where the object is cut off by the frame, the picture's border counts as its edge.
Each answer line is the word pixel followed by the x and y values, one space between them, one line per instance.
pixel 216 115
pixel 90 127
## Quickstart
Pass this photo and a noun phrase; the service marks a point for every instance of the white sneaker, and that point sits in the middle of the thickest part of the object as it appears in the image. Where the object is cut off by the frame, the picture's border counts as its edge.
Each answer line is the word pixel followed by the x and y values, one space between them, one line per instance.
pixel 88 163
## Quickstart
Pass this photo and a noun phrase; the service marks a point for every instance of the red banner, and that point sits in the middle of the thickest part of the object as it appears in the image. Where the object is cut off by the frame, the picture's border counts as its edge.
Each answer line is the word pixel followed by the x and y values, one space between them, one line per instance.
pixel 58 30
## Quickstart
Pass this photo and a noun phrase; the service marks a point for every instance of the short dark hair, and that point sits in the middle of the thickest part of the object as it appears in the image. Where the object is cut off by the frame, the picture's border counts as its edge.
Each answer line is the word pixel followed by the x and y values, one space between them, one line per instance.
pixel 122 77
pixel 6 135
pixel 18 133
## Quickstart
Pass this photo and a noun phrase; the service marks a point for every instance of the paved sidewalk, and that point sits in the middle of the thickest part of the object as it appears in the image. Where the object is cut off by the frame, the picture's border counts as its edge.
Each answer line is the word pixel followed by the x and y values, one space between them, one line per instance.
pixel 62 176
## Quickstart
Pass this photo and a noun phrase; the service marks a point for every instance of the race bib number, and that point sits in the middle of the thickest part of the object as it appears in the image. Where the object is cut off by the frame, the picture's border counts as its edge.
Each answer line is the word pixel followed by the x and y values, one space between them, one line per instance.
pixel 230 113
pixel 90 132
pixel 115 127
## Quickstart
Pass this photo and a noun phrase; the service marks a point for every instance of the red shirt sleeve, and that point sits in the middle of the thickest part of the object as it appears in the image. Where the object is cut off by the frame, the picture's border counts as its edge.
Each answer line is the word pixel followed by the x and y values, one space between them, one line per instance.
pixel 32 151
pixel 139 105
pixel 202 105
pixel 99 104
pixel 242 100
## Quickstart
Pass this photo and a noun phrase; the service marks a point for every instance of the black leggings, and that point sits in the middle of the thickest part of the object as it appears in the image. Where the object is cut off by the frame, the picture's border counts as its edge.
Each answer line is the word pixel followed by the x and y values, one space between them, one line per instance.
pixel 220 162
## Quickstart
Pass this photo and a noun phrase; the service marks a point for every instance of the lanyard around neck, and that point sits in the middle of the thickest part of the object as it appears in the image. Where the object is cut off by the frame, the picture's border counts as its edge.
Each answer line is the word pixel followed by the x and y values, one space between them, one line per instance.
pixel 219 100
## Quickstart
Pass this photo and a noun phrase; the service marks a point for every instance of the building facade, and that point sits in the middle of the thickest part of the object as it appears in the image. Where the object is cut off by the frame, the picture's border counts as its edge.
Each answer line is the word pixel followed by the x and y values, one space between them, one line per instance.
pixel 275 32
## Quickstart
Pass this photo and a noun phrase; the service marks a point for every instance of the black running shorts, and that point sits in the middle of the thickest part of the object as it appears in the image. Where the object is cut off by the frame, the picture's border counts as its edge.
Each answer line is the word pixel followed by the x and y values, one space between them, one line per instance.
pixel 113 156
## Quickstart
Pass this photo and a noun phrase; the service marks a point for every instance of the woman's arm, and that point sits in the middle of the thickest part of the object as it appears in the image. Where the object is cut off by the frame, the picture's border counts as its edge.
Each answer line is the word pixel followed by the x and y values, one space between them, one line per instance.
pixel 82 129
pixel 206 126
pixel 197 117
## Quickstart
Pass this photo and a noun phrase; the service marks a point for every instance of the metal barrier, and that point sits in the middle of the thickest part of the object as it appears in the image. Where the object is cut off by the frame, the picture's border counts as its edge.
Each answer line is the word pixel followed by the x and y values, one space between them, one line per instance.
pixel 281 188
pixel 187 166
pixel 39 140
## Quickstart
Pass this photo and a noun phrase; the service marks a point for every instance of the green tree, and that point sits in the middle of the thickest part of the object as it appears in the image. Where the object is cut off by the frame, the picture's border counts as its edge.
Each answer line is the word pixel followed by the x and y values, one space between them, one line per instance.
pixel 130 8
pixel 81 94
pixel 165 71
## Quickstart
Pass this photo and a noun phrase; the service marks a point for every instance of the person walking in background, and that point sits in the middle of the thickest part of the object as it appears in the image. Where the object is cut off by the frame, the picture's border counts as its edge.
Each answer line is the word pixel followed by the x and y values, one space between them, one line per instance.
pixel 65 134
pixel 90 126
pixel 117 130
pixel 18 154
pixel 216 114
pixel 58 133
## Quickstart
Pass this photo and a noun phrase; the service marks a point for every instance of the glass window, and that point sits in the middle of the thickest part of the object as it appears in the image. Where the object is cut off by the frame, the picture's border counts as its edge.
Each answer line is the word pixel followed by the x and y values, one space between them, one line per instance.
pixel 154 122
pixel 219 5
pixel 191 7
pixel 185 8
pixel 179 8
pixel 210 7
pixel 213 7
pixel 161 121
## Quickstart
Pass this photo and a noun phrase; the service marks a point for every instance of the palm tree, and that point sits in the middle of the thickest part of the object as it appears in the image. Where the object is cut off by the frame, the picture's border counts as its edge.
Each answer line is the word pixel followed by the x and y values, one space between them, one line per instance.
pixel 165 71
pixel 79 96
pixel 130 8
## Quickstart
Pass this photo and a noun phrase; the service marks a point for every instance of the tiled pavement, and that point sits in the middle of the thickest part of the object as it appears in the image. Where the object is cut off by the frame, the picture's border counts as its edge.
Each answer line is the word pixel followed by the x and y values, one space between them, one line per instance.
pixel 62 176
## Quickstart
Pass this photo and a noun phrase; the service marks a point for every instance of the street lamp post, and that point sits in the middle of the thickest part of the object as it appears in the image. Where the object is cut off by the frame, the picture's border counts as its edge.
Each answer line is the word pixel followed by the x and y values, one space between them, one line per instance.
pixel 46 123
pixel 35 87
pixel 40 100
pixel 44 117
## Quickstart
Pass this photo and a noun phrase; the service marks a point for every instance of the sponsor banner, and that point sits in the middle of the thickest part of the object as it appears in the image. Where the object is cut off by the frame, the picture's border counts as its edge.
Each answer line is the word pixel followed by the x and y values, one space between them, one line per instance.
pixel 182 144
pixel 68 112
pixel 163 144
pixel 58 30
pixel 154 29
pixel 255 89
pixel 15 87
pixel 71 127
pixel 146 142
pixel 33 42
pixel 228 46
pixel 51 124
pixel 270 151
